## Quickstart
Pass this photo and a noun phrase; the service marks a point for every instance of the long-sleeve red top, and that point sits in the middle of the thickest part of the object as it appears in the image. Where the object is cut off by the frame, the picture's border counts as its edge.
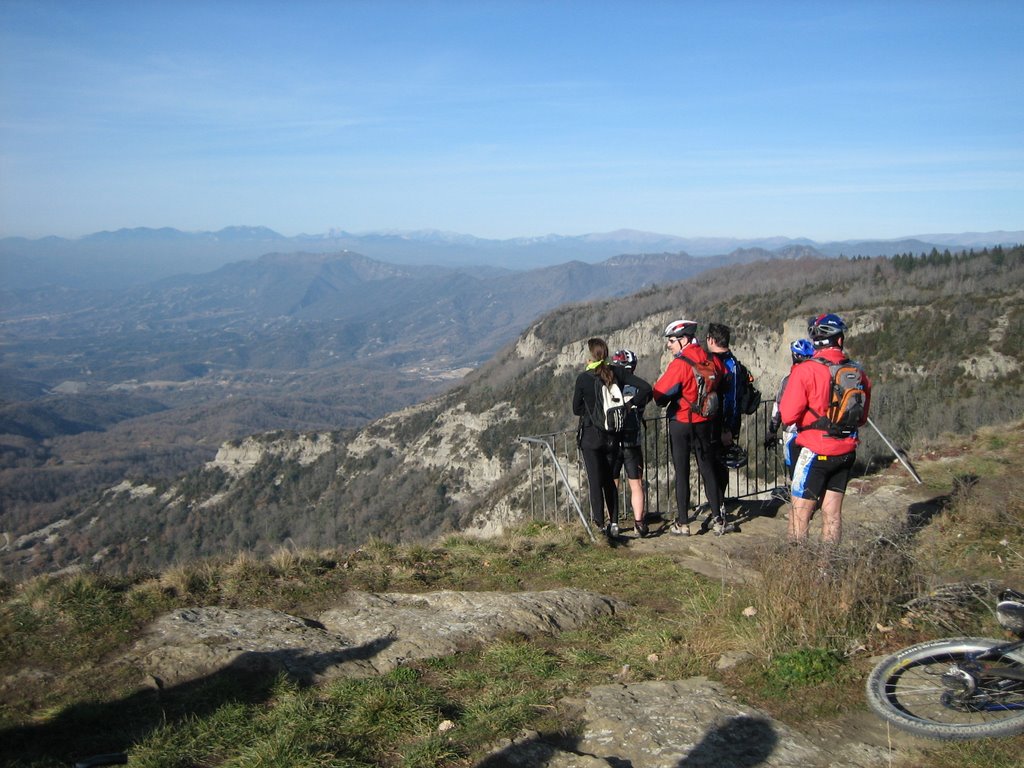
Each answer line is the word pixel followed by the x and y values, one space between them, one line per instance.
pixel 810 387
pixel 677 386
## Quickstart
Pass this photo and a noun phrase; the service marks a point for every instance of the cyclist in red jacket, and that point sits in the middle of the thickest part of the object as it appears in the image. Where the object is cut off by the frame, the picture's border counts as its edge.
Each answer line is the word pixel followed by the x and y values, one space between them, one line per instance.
pixel 826 455
pixel 692 405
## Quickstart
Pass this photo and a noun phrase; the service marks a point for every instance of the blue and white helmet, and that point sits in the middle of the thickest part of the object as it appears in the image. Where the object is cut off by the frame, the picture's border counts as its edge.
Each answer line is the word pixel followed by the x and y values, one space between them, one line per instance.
pixel 801 349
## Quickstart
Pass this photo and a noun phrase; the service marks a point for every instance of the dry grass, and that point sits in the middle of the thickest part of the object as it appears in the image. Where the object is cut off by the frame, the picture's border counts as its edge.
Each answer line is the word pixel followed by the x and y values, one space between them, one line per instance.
pixel 815 597
pixel 981 535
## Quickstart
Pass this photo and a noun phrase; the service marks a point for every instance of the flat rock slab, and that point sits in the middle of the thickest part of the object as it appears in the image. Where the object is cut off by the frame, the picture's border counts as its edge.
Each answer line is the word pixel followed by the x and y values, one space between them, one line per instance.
pixel 364 635
pixel 692 723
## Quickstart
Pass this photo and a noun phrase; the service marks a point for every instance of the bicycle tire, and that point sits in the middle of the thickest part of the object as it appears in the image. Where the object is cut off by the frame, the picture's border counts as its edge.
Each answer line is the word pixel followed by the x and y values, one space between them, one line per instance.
pixel 905 690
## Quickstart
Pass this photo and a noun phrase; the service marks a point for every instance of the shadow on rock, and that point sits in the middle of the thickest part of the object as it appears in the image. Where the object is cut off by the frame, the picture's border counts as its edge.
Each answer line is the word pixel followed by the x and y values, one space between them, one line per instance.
pixel 747 510
pixel 742 742
pixel 114 726
pixel 529 752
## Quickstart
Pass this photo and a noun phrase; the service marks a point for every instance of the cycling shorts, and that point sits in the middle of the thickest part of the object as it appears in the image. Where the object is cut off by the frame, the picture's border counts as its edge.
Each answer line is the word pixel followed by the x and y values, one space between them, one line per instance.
pixel 789 448
pixel 632 458
pixel 815 473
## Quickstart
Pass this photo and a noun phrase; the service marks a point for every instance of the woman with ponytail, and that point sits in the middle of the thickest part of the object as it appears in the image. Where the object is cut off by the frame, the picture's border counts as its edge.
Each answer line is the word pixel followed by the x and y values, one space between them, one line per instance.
pixel 598 446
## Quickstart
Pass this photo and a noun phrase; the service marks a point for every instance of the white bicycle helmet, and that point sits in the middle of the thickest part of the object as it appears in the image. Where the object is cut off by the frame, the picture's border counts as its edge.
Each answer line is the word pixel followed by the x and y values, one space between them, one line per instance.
pixel 625 358
pixel 679 328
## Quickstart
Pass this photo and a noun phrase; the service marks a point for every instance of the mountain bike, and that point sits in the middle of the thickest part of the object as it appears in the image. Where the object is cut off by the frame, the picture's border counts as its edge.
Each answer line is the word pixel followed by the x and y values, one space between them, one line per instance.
pixel 958 687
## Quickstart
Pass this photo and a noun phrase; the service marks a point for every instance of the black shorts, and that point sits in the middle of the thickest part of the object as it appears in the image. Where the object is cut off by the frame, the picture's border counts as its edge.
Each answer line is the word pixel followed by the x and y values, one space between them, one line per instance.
pixel 632 458
pixel 815 473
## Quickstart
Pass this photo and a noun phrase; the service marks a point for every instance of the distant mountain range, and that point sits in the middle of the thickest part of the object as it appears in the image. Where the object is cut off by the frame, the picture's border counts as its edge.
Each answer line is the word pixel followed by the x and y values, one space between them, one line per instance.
pixel 311 311
pixel 141 255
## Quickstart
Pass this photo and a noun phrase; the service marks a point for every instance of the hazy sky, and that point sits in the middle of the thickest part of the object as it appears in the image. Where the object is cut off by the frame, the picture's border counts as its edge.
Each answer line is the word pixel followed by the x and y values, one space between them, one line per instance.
pixel 829 120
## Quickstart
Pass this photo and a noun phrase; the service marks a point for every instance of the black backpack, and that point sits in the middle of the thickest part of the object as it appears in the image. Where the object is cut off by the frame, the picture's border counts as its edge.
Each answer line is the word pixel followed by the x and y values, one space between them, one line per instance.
pixel 632 429
pixel 611 407
pixel 748 397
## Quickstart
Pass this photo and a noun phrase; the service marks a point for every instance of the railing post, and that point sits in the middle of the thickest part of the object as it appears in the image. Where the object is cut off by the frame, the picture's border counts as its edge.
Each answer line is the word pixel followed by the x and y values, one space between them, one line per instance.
pixel 565 480
pixel 533 506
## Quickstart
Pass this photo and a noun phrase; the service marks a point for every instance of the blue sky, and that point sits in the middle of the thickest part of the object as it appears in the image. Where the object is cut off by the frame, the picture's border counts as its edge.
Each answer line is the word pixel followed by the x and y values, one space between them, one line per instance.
pixel 828 120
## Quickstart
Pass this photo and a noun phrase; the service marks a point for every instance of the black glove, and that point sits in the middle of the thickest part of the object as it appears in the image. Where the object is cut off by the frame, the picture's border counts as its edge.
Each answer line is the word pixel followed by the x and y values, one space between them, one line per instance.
pixel 770 439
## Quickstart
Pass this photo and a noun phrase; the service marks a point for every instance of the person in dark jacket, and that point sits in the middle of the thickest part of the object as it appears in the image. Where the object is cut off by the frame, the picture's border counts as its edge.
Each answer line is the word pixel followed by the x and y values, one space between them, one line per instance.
pixel 631 446
pixel 598 446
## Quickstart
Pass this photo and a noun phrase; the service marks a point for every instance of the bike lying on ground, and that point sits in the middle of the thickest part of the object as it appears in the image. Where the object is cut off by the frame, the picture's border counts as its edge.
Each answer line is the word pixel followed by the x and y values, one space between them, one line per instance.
pixel 959 687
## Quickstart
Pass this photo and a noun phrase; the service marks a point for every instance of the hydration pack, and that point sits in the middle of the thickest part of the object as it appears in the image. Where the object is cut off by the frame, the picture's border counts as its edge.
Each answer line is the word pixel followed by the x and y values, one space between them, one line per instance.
pixel 704 372
pixel 748 397
pixel 632 430
pixel 847 407
pixel 612 407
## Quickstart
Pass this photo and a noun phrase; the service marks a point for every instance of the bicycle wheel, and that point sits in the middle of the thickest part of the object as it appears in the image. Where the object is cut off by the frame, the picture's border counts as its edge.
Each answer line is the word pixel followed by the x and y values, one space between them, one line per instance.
pixel 907 690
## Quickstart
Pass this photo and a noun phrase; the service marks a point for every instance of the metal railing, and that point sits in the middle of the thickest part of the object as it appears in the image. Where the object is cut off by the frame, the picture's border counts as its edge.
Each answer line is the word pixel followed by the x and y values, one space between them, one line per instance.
pixel 551 456
pixel 558 487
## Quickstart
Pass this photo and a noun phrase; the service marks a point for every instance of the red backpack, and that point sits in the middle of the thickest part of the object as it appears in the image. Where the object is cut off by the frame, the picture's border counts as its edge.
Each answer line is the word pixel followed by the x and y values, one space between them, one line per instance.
pixel 706 375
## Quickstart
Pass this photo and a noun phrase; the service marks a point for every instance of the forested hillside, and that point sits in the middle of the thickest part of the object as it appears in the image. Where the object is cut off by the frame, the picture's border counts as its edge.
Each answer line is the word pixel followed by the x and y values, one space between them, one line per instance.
pixel 940 335
pixel 147 382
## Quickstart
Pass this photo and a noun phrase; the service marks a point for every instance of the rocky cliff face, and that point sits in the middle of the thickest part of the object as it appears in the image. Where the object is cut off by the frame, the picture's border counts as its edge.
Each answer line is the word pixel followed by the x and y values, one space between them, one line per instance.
pixel 236 459
pixel 451 442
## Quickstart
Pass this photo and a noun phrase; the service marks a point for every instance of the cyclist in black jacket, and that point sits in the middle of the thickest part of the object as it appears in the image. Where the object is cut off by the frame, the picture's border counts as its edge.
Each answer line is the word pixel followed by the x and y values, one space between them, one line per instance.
pixel 598 446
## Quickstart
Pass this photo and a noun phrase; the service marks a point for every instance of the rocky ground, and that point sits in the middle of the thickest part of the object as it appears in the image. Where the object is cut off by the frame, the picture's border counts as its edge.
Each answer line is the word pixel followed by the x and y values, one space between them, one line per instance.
pixel 870 506
pixel 691 722
pixel 695 722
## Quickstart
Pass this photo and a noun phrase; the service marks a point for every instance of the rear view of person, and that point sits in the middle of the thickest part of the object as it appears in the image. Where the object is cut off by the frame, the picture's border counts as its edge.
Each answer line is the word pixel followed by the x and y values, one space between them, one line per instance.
pixel 826 439
pixel 689 388
pixel 738 396
pixel 630 455
pixel 596 442
pixel 799 350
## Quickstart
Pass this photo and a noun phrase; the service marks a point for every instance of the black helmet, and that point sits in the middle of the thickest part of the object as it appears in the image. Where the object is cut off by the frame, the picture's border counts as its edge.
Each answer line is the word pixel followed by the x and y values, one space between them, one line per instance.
pixel 734 457
pixel 625 358
pixel 826 329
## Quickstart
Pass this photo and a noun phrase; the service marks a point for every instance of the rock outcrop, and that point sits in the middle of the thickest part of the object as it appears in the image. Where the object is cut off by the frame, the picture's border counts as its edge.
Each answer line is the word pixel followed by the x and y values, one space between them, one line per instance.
pixel 366 634
pixel 239 458
pixel 662 724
